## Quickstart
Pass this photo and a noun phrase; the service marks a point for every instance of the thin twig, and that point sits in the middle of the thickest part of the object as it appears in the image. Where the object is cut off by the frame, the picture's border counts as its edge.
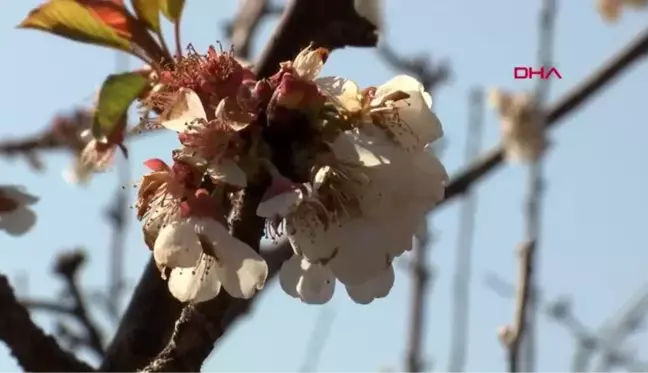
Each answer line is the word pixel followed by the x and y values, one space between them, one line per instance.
pixel 431 75
pixel 463 266
pixel 67 267
pixel 317 340
pixel 34 350
pixel 524 335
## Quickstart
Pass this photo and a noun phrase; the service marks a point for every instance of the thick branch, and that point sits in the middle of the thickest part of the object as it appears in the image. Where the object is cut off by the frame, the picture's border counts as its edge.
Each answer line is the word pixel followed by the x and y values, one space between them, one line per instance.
pixel 34 350
pixel 331 24
pixel 242 28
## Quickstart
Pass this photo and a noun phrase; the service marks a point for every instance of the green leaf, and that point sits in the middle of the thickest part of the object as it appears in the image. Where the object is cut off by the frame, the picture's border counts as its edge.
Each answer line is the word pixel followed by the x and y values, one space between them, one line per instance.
pixel 70 19
pixel 116 96
pixel 172 9
pixel 148 11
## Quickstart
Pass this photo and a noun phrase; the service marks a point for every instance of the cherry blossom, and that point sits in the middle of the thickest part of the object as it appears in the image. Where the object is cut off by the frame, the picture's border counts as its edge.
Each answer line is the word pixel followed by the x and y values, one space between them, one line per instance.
pixel 16 217
pixel 523 137
pixel 369 200
pixel 226 262
pixel 205 142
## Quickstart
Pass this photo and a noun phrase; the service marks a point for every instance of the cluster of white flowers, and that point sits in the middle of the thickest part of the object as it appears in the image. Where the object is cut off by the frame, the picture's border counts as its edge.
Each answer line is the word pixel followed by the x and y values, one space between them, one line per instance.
pixel 16 217
pixel 369 188
pixel 523 137
pixel 611 10
pixel 362 208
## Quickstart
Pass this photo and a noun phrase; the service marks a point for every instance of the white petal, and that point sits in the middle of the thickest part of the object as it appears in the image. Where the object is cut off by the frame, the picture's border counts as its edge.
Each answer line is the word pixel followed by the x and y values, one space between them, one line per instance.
pixel 18 221
pixel 316 285
pixel 227 171
pixel 420 124
pixel 307 234
pixel 198 284
pixel 377 287
pixel 177 245
pixel 241 270
pixel 289 275
pixel 184 111
pixel 363 251
pixel 279 205
pixel 357 147
pixel 342 92
pixel 308 63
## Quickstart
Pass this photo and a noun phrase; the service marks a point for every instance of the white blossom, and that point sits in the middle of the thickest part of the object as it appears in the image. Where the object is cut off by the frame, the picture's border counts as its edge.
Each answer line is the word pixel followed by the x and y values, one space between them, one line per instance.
pixel 370 201
pixel 205 142
pixel 312 283
pixel 377 287
pixel 226 262
pixel 400 106
pixel 521 126
pixel 16 217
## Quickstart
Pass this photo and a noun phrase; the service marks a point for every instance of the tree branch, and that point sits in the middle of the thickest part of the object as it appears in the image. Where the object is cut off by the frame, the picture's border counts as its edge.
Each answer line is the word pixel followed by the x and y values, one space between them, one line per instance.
pixel 242 28
pixel 34 350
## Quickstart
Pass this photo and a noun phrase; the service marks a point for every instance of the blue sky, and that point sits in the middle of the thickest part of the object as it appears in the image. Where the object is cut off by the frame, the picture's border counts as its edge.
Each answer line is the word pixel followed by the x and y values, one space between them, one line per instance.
pixel 594 216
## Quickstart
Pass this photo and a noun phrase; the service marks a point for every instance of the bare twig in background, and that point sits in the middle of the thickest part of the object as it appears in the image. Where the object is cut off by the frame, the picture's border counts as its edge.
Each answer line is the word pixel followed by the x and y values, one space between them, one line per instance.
pixel 522 330
pixel 67 267
pixel 63 133
pixel 420 274
pixel 318 339
pixel 565 105
pixel 34 350
pixel 242 28
pixel 431 75
pixel 619 328
pixel 560 312
pixel 463 259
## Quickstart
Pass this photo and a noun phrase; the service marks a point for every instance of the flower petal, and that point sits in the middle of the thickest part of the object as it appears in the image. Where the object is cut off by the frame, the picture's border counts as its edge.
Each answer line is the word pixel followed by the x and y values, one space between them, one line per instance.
pixel 177 245
pixel 420 124
pixel 316 285
pixel 279 205
pixel 185 110
pixel 227 171
pixel 357 147
pixel 308 235
pixel 241 270
pixel 18 221
pixel 362 251
pixel 197 284
pixel 345 94
pixel 289 275
pixel 377 287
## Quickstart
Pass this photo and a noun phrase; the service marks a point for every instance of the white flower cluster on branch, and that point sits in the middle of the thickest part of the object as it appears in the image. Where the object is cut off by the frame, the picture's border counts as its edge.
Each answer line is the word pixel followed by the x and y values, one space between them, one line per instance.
pixel 352 176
